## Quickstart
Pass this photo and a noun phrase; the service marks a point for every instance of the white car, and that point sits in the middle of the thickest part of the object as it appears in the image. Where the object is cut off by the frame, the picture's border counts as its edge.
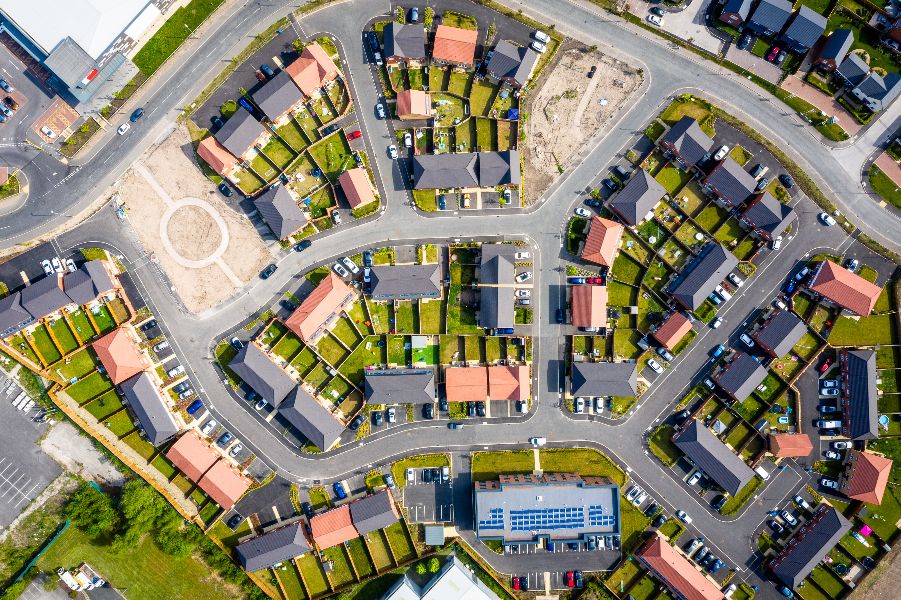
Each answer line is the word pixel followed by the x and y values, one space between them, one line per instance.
pixel 538 47
pixel 801 502
pixel 640 498
pixel 48 268
pixel 411 476
pixel 340 270
pixel 582 212
pixel 655 366
pixel 579 405
pixel 722 293
pixel 57 264
pixel 680 514
pixel 392 415
pixel 380 110
pixel 780 304
pixel 527 275
pixel 829 383
pixel 541 36
pixel 538 441
pixel 695 477
pixel 841 445
pixel 716 322
pixel 827 219
pixel 208 427
pixel 123 128
pixel 351 265
pixel 392 151
pixel 721 153
pixel 747 340
pixel 236 449
pixel 408 140
pixel 70 264
pixel 735 280
pixel 523 293
pixel 48 132
pixel 777 243
pixel 832 455
pixel 788 518
pixel 655 20
pixel 521 256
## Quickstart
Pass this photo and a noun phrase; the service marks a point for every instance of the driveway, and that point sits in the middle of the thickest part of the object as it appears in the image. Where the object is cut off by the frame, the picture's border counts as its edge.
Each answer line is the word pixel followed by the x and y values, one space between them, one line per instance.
pixel 753 63
pixel 688 24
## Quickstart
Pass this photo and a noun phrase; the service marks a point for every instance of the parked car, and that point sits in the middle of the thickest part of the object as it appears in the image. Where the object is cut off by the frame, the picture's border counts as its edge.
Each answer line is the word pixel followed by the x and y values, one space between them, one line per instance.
pixel 665 354
pixel 828 391
pixel 785 591
pixel 777 527
pixel 480 408
pixel 827 219
pixel 268 271
pixel 350 265
pixel 523 277
pixel 175 371
pixel 391 415
pixel 841 445
pixel 411 476
pixel 722 293
pixel 695 477
pixel 123 128
pixel 339 490
pixel 826 408
pixel 718 503
pixel 718 351
pixel 48 132
pixel 744 41
pixel 380 110
pixel 610 184
pixel 267 70
pixel 523 293
pixel 355 424
pixel 414 15
pixel 786 180
pixel 582 212
pixel 236 449
pixel 759 170
pixel 541 36
pixel 716 322
pixel 683 516
pixel 735 280
pixel 801 502
pixel 762 184
pixel 6 87
pixel 780 58
pixel 826 364
pixel 828 424
pixel 656 10
pixel 655 366
pixel 186 394
pixel 788 518
pixel 746 339
pixel 428 411
pixel 377 417
pixel 302 245
pixel 721 153
pixel 829 483
pixel 442 202
pixel 538 47
pixel 354 135
pixel 579 405
pixel 408 140
pixel 538 441
pixel 224 439
pixel 340 270
pixel 655 20
pixel 521 256
pixel 777 243
pixel 208 427
pixel 774 52
pixel 392 151
pixel 852 264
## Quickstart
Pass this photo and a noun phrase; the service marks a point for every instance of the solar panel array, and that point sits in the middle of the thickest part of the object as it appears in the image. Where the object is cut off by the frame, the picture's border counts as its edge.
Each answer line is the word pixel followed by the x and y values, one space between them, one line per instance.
pixel 531 519
pixel 597 516
pixel 495 519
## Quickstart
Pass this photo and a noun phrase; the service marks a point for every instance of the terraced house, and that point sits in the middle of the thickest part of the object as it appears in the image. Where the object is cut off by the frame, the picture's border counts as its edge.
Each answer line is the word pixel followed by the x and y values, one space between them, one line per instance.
pixel 405 282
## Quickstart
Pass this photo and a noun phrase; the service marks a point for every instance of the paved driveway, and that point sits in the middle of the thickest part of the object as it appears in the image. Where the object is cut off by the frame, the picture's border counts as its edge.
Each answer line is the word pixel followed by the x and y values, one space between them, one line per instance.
pixel 753 63
pixel 688 24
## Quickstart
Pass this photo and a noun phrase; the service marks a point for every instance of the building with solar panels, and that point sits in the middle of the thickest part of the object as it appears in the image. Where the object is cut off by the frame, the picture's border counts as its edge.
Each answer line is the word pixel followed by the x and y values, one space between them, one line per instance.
pixel 555 507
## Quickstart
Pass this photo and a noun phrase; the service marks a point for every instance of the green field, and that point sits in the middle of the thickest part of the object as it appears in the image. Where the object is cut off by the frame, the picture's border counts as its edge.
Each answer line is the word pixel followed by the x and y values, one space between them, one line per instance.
pixel 488 465
pixel 360 557
pixel 179 27
pixel 342 573
pixel 104 319
pixel 313 575
pixel 378 548
pixel 105 405
pixel 78 365
pixel 40 337
pixel 82 325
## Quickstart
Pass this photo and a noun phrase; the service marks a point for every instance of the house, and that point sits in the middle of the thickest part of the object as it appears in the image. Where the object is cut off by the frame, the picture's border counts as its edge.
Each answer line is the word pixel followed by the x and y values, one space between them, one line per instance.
pixel 769 17
pixel 89 281
pixel 637 200
pixel 278 98
pixel 556 507
pixel 686 143
pixel 357 187
pixel 405 282
pixel 809 546
pixel 496 286
pixel 779 333
pixel 735 12
pixel 465 384
pixel 602 241
pixel 280 211
pixel 224 484
pixel 849 291
pixel 241 134
pixel 740 376
pixel 399 386
pixel 676 572
pixel 192 455
pixel 311 419
pixel 705 272
pixel 312 70
pixel 864 476
pixel 805 29
pixel 852 70
pixel 44 297
pixel 13 316
pixel 604 379
pixel 859 395
pixel 454 46
pixel 589 306
pixel 877 92
pixel 404 45
pixel 120 355
pixel 149 407
pixel 834 50
pixel 512 64
pixel 332 527
pixel 790 445
pixel 444 171
pixel 262 374
pixel 414 104
pixel 273 547
pixel 373 512
pixel 499 169
pixel 713 457
pixel 322 307
pixel 729 183
pixel 509 382
pixel 216 156
pixel 671 331
pixel 454 580
pixel 766 217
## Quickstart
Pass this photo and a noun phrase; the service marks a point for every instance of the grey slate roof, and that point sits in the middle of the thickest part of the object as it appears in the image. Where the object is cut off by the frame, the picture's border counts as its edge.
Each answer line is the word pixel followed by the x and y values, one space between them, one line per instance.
pixel 434 535
pixel 280 211
pixel 638 198
pixel 44 297
pixel 87 282
pixel 739 7
pixel 69 61
pixel 273 547
pixel 511 61
pixel 499 168
pixel 373 512
pixel 404 41
pixel 800 557
pixel 149 407
pixel 400 386
pixel 437 171
pixel 781 332
pixel 861 410
pixel 806 27
pixel 769 215
pixel 278 96
pixel 406 281
pixel 853 69
pixel 837 45
pixel 258 371
pixel 881 91
pixel 311 418
pixel 741 376
pixel 12 316
pixel 731 181
pixel 604 379
pixel 689 139
pixel 772 14
pixel 713 457
pixel 239 133
pixel 496 303
pixel 706 272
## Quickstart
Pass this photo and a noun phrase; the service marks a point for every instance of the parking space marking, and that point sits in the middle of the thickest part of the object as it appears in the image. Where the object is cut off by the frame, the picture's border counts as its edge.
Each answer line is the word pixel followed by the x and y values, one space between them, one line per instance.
pixel 16 486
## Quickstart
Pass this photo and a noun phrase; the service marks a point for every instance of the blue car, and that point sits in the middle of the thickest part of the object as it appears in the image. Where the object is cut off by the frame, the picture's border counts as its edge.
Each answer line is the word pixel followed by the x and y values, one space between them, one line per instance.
pixel 786 591
pixel 339 490
pixel 577 280
pixel 195 406
pixel 243 102
pixel 137 114
pixel 718 351
pixel 791 286
pixel 442 202
pixel 267 71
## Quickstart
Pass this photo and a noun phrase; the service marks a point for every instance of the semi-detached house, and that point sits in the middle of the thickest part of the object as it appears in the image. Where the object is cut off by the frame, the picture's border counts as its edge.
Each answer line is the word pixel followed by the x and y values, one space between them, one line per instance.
pixel 321 308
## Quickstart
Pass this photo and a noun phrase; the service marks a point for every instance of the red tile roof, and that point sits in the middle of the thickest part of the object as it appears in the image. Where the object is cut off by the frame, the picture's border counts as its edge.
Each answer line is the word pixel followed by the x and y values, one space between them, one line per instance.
pixel 119 355
pixel 333 527
pixel 602 241
pixel 509 382
pixel 589 305
pixel 673 330
pixel 313 312
pixel 357 187
pixel 676 570
pixel 414 103
pixel 312 70
pixel 455 45
pixel 224 484
pixel 466 383
pixel 869 476
pixel 215 155
pixel 845 288
pixel 192 456
pixel 790 445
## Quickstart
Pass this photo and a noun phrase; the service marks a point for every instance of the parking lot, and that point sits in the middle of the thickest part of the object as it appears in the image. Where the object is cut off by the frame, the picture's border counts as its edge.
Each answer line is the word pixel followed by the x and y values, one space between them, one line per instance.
pixel 428 501
pixel 31 96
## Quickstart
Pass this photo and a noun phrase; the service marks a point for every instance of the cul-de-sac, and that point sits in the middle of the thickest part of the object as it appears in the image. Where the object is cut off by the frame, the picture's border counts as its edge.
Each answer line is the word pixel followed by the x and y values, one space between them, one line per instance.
pixel 456 300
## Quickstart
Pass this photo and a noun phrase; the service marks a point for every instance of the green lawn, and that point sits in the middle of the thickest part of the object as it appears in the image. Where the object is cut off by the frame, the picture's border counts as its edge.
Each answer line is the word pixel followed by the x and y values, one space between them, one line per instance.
pixel 455 19
pixel 672 529
pixel 103 319
pixel 403 317
pixel 120 423
pixel 360 558
pixel 78 365
pixel 64 336
pixel 729 231
pixel 426 200
pixel 620 294
pixel 345 331
pixel 333 155
pixel 584 461
pixel 279 153
pixel 625 343
pixel 290 580
pixel 378 547
pixel 481 96
pixel 460 319
pixel 293 135
pixel 627 270
pixel 672 179
pixel 694 108
pixel 885 187
pixel 488 465
pixel 288 346
pixel 331 350
pixel 711 217
pixel 89 387
pixel 40 337
pixel 353 368
pixel 866 331
pixel 430 316
pixel 177 28
pixel 105 405
pixel 865 38
pixel 661 443
pixel 736 503
pixel 311 569
pixel 740 155
pixel 82 326
pixel 342 572
pixel 400 542
pixel 317 376
pixel 397 354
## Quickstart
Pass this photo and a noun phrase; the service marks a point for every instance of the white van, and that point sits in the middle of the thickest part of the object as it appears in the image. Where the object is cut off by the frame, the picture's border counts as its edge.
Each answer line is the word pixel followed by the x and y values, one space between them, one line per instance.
pixel 824 424
pixel 762 473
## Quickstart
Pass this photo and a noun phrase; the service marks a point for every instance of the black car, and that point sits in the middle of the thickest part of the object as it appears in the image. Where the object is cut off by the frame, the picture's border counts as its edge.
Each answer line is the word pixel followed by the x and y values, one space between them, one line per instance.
pixel 217 121
pixel 184 385
pixel 659 521
pixel 656 10
pixel 593 203
pixel 234 521
pixel 428 411
pixel 355 424
pixel 267 70
pixel 367 258
pixel 561 315
pixel 593 70
pixel 762 184
pixel 268 271
pixel 329 129
pixel 757 170
pixel 436 475
pixel 442 405
pixel 148 325
pixel 744 41
pixel 224 439
pixel 307 509
pixel 480 408
pixel 471 409
pixel 621 173
pixel 718 503
pixel 302 245
pixel 377 417
pixel 226 191
pixel 610 184
pixel 427 475
pixel 373 40
pixel 137 114
pixel 681 416
pixel 651 510
pixel 787 180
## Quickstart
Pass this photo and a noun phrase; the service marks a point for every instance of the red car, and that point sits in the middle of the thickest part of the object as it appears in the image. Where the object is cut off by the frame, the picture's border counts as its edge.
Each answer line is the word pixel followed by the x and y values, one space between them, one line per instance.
pixel 596 281
pixel 516 585
pixel 354 135
pixel 826 364
pixel 570 579
pixel 260 75
pixel 773 54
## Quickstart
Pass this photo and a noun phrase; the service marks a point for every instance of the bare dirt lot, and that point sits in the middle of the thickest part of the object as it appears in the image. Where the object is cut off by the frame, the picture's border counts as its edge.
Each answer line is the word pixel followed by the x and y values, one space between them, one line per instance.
pixel 881 584
pixel 204 270
pixel 571 108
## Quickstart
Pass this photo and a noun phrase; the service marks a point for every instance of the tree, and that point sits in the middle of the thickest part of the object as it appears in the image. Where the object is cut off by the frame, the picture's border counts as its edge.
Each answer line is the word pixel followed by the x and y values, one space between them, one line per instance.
pixel 399 15
pixel 428 16
pixel 434 565
pixel 420 568
pixel 92 511
pixel 492 29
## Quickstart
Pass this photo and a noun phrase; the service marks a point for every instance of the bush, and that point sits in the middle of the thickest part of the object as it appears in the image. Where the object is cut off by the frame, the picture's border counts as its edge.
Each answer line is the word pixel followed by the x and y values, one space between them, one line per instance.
pixel 428 16
pixel 434 565
pixel 399 15
pixel 420 568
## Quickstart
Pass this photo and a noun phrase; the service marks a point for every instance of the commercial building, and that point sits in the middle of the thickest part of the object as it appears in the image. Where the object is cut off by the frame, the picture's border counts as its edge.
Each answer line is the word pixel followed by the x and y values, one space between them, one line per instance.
pixel 859 394
pixel 676 572
pixel 602 241
pixel 399 386
pixel 284 543
pixel 779 333
pixel 713 457
pixel 150 408
pixel 260 372
pixel 740 376
pixel 637 200
pixel 849 291
pixel 604 379
pixel 809 545
pixel 321 308
pixel 405 282
pixel 704 273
